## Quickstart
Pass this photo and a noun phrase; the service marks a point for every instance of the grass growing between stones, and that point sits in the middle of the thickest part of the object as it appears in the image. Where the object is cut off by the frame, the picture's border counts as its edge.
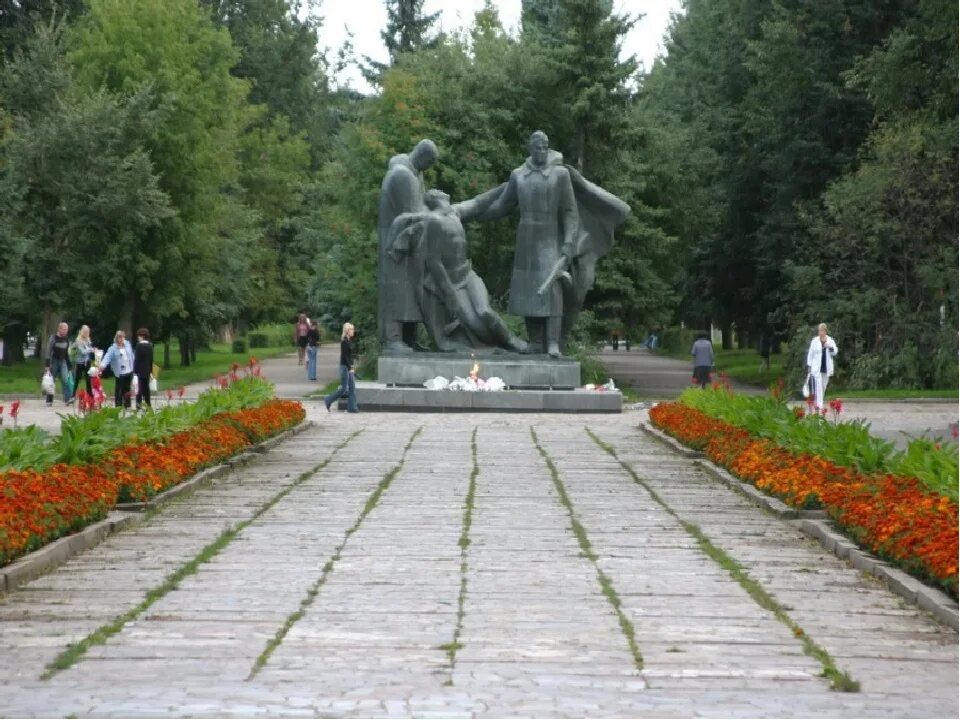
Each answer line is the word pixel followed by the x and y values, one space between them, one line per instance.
pixel 76 651
pixel 839 680
pixel 606 585
pixel 328 566
pixel 454 645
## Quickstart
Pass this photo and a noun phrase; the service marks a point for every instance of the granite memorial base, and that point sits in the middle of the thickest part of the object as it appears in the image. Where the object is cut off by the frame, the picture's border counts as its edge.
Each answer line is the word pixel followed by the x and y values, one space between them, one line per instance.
pixel 518 372
pixel 377 397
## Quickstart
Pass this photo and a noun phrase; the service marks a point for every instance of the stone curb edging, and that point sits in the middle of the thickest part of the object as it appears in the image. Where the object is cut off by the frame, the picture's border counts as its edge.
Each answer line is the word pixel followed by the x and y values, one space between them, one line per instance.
pixel 906 586
pixel 671 442
pixel 814 524
pixel 123 515
pixel 62 549
pixel 211 473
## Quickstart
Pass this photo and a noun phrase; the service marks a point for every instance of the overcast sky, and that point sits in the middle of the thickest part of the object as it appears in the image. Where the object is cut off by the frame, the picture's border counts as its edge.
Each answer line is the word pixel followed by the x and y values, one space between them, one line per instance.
pixel 366 18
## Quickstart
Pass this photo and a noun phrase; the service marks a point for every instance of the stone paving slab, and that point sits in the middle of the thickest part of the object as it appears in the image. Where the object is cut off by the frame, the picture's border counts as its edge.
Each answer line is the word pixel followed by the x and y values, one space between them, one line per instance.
pixel 361 563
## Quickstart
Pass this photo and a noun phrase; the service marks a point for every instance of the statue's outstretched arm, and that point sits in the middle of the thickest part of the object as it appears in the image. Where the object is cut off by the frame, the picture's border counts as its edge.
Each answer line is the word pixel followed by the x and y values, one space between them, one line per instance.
pixel 473 208
pixel 503 204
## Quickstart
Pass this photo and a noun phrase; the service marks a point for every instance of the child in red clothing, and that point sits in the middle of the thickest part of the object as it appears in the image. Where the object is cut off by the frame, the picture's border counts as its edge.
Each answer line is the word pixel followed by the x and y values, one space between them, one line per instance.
pixel 96 387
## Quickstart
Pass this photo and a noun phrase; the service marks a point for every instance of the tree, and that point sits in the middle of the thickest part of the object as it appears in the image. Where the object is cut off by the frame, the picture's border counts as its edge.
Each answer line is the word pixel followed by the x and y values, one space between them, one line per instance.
pixel 407 27
pixel 172 48
pixel 887 275
pixel 19 17
pixel 84 185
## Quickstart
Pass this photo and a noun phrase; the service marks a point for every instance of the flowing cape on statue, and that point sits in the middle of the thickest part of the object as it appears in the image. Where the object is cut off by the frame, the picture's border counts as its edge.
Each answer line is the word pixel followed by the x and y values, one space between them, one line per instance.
pixel 601 213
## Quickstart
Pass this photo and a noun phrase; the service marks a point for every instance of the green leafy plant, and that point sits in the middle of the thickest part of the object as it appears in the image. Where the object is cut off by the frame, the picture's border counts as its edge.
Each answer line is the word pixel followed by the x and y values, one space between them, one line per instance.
pixel 847 443
pixel 84 438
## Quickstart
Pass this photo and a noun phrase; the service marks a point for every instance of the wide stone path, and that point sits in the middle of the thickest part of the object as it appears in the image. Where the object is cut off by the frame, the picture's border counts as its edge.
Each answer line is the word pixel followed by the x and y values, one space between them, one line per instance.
pixel 467 565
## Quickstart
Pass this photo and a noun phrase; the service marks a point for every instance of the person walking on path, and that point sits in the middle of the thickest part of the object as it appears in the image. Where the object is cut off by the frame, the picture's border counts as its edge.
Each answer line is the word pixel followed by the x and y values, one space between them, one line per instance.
pixel 58 360
pixel 84 349
pixel 347 376
pixel 820 356
pixel 143 366
pixel 119 357
pixel 702 352
pixel 300 330
pixel 765 343
pixel 313 344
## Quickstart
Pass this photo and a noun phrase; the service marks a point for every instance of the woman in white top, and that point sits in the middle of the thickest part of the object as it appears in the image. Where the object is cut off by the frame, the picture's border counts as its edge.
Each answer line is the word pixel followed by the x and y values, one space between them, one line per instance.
pixel 119 357
pixel 820 356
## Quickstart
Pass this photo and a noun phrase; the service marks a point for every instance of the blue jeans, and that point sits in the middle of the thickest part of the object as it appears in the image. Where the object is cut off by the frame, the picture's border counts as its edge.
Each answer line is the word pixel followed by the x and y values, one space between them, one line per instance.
pixel 61 369
pixel 347 388
pixel 311 362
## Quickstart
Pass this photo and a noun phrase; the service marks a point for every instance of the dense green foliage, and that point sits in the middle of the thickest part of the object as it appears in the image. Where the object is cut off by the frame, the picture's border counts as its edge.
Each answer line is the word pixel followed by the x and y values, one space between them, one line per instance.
pixel 84 438
pixel 183 164
pixel 813 147
pixel 846 443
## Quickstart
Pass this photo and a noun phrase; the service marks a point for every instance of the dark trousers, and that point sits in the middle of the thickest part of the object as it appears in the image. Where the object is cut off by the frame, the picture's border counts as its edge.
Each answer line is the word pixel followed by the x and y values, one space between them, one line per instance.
pixel 80 371
pixel 143 389
pixel 121 390
pixel 702 375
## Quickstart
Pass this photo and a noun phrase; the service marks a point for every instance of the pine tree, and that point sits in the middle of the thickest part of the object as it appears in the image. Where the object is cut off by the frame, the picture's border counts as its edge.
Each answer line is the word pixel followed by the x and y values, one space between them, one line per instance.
pixel 407 27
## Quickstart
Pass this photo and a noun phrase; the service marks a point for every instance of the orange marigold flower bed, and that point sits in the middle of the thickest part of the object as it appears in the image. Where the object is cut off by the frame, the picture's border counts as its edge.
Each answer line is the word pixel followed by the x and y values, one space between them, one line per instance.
pixel 893 516
pixel 37 507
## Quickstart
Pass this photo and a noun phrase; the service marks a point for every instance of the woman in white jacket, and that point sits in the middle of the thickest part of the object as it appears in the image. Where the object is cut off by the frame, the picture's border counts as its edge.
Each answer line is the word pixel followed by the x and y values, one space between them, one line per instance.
pixel 820 364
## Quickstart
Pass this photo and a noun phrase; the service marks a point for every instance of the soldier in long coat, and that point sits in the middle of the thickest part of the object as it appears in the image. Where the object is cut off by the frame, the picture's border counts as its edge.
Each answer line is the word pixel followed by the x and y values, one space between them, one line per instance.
pixel 400 279
pixel 546 240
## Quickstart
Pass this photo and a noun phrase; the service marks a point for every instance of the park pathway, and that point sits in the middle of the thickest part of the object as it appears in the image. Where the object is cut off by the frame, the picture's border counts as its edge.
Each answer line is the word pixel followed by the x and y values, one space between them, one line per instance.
pixel 467 565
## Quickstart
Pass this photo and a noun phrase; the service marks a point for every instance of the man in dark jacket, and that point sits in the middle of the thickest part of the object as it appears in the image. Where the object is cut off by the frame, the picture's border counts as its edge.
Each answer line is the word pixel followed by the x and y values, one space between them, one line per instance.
pixel 58 360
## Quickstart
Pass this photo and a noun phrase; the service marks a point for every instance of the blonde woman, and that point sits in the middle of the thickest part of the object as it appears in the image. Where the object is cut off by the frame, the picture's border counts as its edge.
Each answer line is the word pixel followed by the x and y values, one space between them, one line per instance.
pixel 119 357
pixel 347 377
pixel 84 356
pixel 820 356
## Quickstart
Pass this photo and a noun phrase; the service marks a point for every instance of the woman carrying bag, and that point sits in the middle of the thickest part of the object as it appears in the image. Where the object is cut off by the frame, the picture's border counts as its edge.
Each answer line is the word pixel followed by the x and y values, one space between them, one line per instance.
pixel 820 356
pixel 83 347
pixel 119 358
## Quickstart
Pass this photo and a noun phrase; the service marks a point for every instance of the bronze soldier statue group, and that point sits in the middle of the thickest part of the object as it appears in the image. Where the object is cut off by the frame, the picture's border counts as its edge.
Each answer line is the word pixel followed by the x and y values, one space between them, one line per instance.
pixel 424 275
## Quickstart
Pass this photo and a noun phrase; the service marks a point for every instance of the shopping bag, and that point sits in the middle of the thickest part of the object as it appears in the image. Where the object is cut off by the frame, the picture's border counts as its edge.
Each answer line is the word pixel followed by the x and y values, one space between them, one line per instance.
pixel 69 385
pixel 153 383
pixel 135 386
pixel 155 371
pixel 806 387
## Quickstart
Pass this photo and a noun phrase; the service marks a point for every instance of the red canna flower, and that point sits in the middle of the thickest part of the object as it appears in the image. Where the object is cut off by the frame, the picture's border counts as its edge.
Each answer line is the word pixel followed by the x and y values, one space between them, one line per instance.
pixel 181 391
pixel 14 411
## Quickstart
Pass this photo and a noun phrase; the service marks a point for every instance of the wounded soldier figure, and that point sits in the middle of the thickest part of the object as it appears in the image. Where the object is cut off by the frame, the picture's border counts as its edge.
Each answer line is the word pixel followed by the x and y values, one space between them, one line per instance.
pixel 455 303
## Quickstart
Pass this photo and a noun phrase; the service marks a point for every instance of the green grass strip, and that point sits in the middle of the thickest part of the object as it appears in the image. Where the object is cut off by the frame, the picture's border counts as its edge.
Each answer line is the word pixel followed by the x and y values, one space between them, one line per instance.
pixel 606 585
pixel 454 645
pixel 328 566
pixel 75 651
pixel 839 680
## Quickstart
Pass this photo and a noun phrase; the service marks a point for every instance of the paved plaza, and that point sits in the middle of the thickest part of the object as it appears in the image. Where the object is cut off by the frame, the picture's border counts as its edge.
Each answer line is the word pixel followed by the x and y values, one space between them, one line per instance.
pixel 466 565
pixel 470 565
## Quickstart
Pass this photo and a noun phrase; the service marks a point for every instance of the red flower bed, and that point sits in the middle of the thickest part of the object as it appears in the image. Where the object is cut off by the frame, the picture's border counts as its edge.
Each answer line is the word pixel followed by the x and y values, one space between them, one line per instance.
pixel 40 506
pixel 895 517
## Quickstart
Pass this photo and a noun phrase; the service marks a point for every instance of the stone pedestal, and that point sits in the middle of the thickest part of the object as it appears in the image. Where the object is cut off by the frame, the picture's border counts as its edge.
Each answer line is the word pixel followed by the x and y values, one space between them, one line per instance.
pixel 376 397
pixel 523 372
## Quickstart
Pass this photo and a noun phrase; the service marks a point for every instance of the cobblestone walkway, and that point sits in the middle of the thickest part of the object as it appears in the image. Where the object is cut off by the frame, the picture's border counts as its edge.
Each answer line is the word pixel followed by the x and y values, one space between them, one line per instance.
pixel 458 565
